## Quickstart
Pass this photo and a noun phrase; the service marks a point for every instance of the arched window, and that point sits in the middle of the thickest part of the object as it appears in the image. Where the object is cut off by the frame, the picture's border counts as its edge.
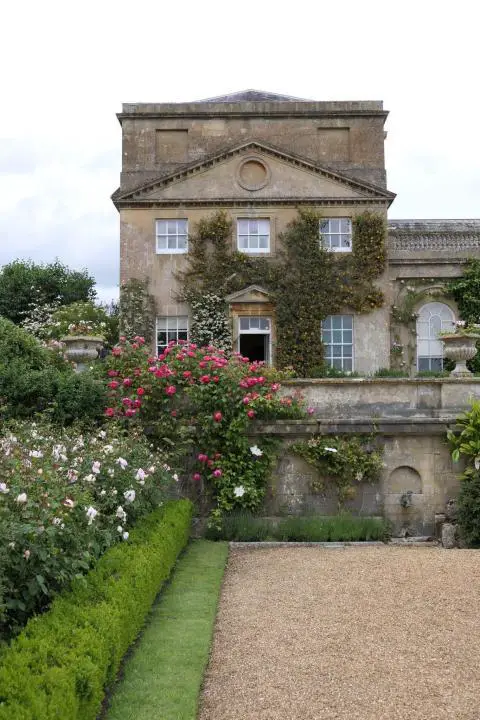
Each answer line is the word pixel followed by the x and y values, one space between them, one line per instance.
pixel 432 318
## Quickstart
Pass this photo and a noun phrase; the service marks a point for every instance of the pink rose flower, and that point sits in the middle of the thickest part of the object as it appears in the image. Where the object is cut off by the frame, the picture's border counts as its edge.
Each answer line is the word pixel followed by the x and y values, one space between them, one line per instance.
pixel 197 476
pixel 251 413
pixel 109 412
pixel 171 390
pixel 217 473
pixel 217 416
pixel 140 391
pixel 127 382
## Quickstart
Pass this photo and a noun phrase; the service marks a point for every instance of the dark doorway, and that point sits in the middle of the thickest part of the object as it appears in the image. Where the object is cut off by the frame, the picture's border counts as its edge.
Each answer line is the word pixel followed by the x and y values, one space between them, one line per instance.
pixel 255 346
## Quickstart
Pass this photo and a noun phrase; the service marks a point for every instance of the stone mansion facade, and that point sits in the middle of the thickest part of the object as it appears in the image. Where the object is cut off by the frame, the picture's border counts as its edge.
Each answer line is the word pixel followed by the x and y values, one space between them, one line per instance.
pixel 260 156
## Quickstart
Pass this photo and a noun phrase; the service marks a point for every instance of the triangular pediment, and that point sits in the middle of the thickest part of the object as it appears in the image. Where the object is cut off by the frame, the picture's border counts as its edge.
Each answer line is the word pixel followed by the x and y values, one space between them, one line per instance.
pixel 236 174
pixel 250 294
pixel 252 96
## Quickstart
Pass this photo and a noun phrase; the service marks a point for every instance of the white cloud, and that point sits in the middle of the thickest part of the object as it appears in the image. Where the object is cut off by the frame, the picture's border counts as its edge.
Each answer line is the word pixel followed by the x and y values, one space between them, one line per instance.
pixel 69 68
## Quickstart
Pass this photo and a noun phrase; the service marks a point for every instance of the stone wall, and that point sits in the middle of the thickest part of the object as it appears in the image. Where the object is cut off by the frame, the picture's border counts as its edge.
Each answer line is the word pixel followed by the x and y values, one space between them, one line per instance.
pixel 409 418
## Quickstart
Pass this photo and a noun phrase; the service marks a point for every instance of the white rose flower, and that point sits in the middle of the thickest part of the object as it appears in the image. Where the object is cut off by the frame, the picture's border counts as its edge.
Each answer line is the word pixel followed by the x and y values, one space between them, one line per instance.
pixel 140 474
pixel 121 514
pixel 255 450
pixel 125 535
pixel 36 453
pixel 119 528
pixel 56 521
pixel 96 467
pixel 122 462
pixel 90 478
pixel 91 514
pixel 239 491
pixel 329 449
pixel 22 498
pixel 3 488
pixel 129 495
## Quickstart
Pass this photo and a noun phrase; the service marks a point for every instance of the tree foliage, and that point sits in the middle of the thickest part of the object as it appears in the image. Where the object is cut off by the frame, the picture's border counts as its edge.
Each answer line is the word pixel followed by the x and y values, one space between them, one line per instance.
pixel 24 283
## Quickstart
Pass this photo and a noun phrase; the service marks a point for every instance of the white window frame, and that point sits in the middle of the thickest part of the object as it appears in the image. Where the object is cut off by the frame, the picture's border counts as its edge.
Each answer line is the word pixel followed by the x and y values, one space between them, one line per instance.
pixel 426 314
pixel 254 236
pixel 256 331
pixel 167 234
pixel 336 231
pixel 330 357
pixel 178 323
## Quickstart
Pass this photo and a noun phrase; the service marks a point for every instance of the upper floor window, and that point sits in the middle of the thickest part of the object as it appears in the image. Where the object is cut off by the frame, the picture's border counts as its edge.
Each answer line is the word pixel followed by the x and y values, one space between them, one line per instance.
pixel 253 235
pixel 432 318
pixel 337 337
pixel 171 328
pixel 172 236
pixel 336 234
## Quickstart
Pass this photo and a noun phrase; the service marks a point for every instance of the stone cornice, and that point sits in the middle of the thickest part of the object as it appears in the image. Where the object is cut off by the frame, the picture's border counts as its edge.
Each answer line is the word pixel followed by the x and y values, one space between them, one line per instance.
pixel 131 197
pixel 277 109
pixel 250 202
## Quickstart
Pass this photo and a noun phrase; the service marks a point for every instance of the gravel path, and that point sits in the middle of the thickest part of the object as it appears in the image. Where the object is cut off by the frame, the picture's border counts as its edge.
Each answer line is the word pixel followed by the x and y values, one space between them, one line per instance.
pixel 368 633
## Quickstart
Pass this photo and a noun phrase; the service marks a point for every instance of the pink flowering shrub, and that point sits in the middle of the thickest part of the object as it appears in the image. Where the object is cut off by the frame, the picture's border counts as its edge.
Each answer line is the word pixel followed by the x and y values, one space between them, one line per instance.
pixel 64 499
pixel 201 405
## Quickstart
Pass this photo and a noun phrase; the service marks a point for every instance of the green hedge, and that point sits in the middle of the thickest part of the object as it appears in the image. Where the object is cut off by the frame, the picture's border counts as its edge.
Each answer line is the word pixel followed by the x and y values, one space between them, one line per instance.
pixel 58 667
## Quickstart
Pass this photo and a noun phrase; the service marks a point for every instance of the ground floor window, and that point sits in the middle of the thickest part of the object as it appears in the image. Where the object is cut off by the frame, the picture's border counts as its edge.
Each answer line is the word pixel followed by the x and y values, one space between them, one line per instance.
pixel 337 337
pixel 432 319
pixel 254 338
pixel 171 328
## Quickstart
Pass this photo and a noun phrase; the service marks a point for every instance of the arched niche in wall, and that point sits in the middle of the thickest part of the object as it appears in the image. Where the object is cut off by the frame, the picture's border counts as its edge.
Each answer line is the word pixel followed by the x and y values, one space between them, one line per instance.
pixel 403 479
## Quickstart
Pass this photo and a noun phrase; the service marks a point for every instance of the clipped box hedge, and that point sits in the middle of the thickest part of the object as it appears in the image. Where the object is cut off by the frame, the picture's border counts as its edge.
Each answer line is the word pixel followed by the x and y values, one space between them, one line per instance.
pixel 58 667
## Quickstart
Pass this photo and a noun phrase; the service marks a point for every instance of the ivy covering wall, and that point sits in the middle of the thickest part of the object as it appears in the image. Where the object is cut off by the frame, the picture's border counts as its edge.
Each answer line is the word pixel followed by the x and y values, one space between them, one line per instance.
pixel 306 282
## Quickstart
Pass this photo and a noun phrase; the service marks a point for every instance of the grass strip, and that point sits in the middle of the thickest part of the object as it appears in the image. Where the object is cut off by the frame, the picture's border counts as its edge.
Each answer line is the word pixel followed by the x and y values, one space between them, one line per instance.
pixel 162 679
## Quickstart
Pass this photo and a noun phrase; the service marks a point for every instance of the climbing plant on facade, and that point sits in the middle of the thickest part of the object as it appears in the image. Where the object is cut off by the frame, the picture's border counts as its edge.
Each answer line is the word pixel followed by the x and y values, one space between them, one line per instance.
pixel 306 281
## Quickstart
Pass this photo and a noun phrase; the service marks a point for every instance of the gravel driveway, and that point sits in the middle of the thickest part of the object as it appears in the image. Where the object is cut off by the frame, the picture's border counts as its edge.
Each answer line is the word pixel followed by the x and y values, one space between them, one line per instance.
pixel 368 633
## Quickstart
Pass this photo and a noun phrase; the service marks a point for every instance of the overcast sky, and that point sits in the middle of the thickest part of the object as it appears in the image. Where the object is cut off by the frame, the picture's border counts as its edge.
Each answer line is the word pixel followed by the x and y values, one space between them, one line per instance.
pixel 67 68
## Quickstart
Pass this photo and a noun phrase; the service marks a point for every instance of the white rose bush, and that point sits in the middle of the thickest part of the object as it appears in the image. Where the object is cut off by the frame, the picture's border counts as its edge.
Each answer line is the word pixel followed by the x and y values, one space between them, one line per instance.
pixel 65 498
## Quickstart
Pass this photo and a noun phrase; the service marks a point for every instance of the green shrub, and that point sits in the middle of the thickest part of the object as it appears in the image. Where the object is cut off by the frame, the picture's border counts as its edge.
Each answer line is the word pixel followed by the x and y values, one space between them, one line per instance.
pixel 24 390
pixel 34 379
pixel 60 665
pixel 18 344
pixel 79 397
pixel 390 373
pixel 244 527
pixel 343 527
pixel 241 526
pixel 432 373
pixel 465 445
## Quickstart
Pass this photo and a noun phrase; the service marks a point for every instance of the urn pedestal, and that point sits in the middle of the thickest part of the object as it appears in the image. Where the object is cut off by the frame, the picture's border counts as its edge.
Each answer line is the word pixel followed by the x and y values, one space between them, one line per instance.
pixel 460 348
pixel 82 349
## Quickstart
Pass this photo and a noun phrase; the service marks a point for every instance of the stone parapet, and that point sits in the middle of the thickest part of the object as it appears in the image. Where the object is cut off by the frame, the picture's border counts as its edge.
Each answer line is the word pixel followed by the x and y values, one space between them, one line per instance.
pixel 385 397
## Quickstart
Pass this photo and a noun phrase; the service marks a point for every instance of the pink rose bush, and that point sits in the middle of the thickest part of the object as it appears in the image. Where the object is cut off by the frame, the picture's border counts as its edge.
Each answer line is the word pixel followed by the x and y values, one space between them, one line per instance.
pixel 198 403
pixel 64 499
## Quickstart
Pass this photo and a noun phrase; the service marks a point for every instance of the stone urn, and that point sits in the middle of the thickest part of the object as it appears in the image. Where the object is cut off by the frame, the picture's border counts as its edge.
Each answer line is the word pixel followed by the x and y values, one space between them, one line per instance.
pixel 82 349
pixel 460 348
